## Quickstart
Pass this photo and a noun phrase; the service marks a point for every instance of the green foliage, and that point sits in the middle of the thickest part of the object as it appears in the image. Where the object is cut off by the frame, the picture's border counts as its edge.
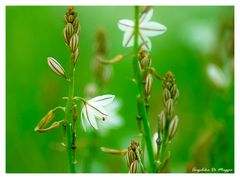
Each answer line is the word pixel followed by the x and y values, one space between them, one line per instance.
pixel 206 113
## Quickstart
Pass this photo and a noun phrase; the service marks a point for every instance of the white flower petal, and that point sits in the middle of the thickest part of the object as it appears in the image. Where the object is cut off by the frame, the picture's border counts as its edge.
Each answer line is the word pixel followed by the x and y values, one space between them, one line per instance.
pixel 154 139
pixel 144 42
pixel 102 100
pixel 83 119
pixel 126 25
pixel 101 111
pixel 151 29
pixel 89 114
pixel 128 39
pixel 146 16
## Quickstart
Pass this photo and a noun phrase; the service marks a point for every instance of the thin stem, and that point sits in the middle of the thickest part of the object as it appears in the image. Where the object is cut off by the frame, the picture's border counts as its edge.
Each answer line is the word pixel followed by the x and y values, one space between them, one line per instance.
pixel 142 108
pixel 68 117
pixel 162 148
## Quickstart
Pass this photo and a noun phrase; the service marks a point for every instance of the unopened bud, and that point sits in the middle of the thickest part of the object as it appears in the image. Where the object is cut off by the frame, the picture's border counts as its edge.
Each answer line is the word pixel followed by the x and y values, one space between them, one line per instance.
pixel 77 28
pixel 146 62
pixel 173 127
pixel 66 36
pixel 133 167
pixel 169 106
pixel 65 18
pixel 75 22
pixel 131 156
pixel 114 151
pixel 166 94
pixel 148 85
pixel 70 18
pixel 56 67
pixel 45 120
pixel 69 29
pixel 73 44
pixel 162 121
pixel 176 95
pixel 76 55
pixel 75 114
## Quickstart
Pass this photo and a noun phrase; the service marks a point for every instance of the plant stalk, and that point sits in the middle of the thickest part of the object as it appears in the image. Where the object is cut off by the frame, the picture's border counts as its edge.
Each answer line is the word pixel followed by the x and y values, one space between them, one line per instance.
pixel 142 108
pixel 68 118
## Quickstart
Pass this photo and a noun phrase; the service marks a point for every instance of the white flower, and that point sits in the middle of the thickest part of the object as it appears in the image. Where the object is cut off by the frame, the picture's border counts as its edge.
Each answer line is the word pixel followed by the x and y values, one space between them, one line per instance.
pixel 95 109
pixel 147 29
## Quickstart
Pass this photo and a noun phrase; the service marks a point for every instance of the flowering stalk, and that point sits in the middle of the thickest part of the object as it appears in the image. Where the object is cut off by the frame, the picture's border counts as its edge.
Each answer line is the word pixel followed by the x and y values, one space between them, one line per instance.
pixel 142 109
pixel 71 38
pixel 168 120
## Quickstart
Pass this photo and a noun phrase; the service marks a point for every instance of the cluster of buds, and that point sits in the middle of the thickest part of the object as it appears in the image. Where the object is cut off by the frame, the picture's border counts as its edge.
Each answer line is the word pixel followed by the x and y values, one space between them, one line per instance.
pixel 133 156
pixel 101 72
pixel 145 62
pixel 71 31
pixel 168 121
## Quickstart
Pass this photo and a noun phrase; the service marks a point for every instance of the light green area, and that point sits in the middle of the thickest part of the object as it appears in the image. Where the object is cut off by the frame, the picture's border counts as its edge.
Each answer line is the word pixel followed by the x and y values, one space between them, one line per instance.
pixel 190 43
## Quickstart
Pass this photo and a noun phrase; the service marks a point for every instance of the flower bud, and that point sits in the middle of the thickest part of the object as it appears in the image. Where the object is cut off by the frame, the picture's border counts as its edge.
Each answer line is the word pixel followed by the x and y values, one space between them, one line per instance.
pixel 176 95
pixel 162 122
pixel 45 120
pixel 133 167
pixel 173 127
pixel 77 28
pixel 73 44
pixel 148 85
pixel 69 29
pixel 145 62
pixel 166 94
pixel 76 55
pixel 53 126
pixel 56 67
pixel 70 18
pixel 75 22
pixel 66 36
pixel 169 106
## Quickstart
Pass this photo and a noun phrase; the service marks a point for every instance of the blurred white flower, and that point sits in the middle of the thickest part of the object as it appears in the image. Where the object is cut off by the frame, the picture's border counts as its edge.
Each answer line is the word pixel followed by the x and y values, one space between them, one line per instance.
pixel 217 76
pixel 200 35
pixel 94 110
pixel 147 29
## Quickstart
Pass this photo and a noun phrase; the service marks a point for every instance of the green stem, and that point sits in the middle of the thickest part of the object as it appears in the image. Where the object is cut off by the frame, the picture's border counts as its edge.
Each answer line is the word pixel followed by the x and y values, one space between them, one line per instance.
pixel 143 112
pixel 68 117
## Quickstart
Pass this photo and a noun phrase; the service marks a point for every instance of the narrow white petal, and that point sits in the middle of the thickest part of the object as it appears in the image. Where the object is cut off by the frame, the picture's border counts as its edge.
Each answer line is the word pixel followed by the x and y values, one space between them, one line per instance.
pixel 128 39
pixel 126 25
pixel 83 119
pixel 146 16
pixel 91 117
pixel 152 28
pixel 144 42
pixel 154 139
pixel 99 111
pixel 102 100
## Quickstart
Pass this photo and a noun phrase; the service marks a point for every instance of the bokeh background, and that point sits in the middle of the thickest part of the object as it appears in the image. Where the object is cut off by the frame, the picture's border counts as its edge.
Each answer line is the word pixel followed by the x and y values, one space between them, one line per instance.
pixel 196 37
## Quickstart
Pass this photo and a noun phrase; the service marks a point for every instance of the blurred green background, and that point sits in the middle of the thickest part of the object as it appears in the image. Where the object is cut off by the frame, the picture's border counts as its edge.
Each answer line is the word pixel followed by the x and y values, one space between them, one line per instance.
pixel 196 36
